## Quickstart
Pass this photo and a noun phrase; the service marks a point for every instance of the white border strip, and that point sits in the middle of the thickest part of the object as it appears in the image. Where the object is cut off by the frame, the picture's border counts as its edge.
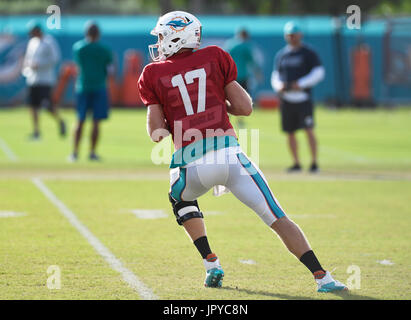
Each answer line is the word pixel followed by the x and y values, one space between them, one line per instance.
pixel 10 154
pixel 128 276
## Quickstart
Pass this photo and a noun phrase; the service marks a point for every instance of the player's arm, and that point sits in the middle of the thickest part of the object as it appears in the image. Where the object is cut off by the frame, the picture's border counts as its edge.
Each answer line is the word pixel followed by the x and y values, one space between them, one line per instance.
pixel 276 83
pixel 25 61
pixel 312 78
pixel 157 127
pixel 239 102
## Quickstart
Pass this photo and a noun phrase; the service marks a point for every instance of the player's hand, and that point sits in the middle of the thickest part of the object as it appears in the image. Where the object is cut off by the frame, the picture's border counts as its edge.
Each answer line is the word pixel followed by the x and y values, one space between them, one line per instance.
pixel 283 88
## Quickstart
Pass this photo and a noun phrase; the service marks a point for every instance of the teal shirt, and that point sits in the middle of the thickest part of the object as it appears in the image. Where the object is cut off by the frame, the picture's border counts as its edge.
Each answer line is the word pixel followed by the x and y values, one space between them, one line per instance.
pixel 242 54
pixel 92 59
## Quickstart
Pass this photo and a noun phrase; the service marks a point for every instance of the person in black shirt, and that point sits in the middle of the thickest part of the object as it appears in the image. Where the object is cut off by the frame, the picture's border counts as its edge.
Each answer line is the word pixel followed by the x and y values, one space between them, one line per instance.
pixel 297 69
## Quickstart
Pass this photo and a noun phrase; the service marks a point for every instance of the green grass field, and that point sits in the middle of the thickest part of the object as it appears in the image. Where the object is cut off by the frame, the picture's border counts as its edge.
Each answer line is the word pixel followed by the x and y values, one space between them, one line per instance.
pixel 355 212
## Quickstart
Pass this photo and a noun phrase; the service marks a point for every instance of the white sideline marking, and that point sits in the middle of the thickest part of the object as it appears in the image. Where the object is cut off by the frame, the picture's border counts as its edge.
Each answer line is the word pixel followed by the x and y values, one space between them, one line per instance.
pixel 128 276
pixel 385 262
pixel 10 154
pixel 249 261
pixel 149 214
pixel 158 213
pixel 10 214
pixel 81 175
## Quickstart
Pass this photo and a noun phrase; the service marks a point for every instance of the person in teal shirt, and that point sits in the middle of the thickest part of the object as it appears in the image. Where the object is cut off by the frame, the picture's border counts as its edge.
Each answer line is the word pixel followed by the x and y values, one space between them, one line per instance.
pixel 241 50
pixel 93 61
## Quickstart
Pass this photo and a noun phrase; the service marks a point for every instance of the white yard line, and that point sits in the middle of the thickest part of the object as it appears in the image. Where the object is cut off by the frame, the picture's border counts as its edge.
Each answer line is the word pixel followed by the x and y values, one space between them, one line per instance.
pixel 128 276
pixel 11 214
pixel 149 214
pixel 6 149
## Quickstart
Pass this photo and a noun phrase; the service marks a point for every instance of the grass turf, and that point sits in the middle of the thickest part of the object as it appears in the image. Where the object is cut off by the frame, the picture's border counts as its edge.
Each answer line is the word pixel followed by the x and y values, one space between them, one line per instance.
pixel 354 213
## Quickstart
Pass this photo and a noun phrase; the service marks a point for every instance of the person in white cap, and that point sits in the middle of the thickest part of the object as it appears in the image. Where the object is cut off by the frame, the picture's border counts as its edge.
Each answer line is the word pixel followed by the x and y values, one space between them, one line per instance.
pixel 297 69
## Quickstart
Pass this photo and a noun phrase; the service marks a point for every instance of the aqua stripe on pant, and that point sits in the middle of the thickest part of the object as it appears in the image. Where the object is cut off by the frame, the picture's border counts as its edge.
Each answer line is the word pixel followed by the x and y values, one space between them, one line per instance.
pixel 261 184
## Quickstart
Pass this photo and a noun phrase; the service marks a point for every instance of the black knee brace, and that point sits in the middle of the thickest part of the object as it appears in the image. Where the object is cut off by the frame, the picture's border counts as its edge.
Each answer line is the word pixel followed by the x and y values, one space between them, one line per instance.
pixel 185 210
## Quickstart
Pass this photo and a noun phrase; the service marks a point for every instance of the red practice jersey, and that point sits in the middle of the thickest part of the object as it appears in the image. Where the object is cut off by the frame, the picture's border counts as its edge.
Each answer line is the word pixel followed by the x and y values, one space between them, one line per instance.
pixel 190 88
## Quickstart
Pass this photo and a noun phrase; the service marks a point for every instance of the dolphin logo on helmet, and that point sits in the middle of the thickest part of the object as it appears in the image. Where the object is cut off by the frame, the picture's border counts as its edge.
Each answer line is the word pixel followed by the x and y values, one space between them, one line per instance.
pixel 178 25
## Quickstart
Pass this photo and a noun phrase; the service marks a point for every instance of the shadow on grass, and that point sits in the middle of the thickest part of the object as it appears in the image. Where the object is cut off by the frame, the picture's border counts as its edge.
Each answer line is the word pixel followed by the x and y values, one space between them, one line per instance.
pixel 345 295
pixel 350 295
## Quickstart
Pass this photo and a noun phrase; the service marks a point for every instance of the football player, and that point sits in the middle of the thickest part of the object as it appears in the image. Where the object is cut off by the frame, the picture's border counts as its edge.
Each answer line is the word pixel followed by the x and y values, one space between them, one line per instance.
pixel 189 92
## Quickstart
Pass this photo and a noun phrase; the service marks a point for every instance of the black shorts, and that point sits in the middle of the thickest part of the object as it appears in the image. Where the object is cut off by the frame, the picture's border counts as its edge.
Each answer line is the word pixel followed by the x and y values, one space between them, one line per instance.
pixel 296 116
pixel 40 96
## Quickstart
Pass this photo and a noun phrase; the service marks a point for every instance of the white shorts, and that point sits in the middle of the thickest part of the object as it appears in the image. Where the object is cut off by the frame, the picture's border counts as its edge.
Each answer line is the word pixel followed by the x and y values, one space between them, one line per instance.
pixel 231 168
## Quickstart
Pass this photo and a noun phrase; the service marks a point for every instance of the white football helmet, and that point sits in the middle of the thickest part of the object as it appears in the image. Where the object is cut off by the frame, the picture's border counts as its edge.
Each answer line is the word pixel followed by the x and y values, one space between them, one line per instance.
pixel 175 30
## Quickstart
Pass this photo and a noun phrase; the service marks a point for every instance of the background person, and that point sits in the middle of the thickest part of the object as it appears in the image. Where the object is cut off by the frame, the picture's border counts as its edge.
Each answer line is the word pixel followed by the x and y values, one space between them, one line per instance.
pixel 241 50
pixel 297 69
pixel 40 60
pixel 93 60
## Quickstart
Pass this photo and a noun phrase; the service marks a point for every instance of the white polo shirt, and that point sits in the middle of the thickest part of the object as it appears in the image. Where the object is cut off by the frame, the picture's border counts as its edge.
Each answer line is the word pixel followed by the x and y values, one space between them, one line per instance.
pixel 43 53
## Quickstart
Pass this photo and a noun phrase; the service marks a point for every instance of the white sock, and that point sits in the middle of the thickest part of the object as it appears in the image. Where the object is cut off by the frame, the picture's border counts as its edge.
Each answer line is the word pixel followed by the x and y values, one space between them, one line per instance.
pixel 210 265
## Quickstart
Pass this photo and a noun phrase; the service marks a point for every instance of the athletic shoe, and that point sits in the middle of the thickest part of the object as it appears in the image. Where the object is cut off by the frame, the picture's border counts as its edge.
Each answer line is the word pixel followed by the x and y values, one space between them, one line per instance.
pixel 72 158
pixel 314 168
pixel 94 157
pixel 214 272
pixel 328 284
pixel 294 168
pixel 35 136
pixel 214 278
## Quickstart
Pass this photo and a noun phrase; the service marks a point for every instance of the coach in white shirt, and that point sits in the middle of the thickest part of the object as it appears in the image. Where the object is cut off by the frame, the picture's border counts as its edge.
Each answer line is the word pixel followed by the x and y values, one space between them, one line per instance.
pixel 297 69
pixel 40 60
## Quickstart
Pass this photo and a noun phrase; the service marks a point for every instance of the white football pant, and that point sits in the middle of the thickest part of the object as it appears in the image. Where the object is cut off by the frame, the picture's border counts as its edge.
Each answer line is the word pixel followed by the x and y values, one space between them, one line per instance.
pixel 231 168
